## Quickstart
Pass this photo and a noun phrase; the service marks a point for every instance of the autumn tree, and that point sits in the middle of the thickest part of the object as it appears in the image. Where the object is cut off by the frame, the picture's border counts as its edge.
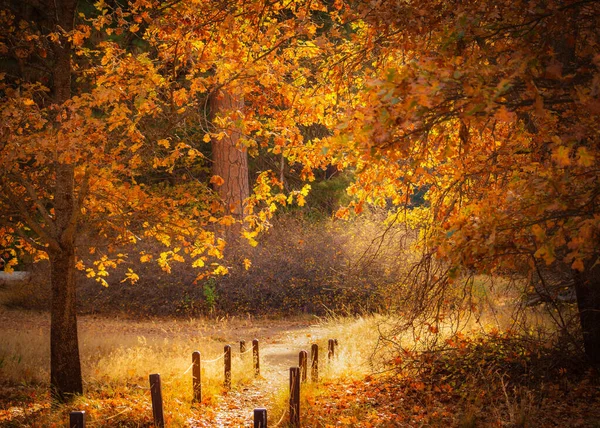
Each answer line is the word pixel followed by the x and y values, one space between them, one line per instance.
pixel 492 109
pixel 95 101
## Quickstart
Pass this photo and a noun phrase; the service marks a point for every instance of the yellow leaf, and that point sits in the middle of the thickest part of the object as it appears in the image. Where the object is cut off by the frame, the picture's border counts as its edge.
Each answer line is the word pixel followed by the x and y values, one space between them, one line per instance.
pixel 221 270
pixel 198 263
pixel 131 276
pixel 227 220
pixel 561 156
pixel 343 213
pixel 165 143
pixel 247 264
pixel 584 157
pixel 206 138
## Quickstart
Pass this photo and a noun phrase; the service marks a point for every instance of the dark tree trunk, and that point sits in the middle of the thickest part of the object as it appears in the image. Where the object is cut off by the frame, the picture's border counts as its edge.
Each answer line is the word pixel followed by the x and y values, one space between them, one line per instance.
pixel 587 287
pixel 65 366
pixel 65 370
pixel 230 160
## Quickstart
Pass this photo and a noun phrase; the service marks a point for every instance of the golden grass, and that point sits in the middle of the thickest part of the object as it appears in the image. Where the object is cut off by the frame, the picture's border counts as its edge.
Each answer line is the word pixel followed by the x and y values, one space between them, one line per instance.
pixel 118 355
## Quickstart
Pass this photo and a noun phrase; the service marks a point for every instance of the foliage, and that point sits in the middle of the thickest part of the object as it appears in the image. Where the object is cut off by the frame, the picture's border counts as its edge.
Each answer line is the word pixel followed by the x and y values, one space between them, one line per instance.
pixel 492 110
pixel 300 265
pixel 210 294
pixel 137 117
pixel 500 379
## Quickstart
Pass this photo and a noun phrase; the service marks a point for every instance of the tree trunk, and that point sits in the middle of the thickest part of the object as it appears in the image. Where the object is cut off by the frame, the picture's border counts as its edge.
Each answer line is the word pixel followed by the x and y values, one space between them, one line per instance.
pixel 65 366
pixel 230 160
pixel 587 288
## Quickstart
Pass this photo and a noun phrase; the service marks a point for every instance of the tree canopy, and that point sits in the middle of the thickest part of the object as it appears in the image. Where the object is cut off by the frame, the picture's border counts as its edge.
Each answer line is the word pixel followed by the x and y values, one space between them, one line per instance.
pixel 489 110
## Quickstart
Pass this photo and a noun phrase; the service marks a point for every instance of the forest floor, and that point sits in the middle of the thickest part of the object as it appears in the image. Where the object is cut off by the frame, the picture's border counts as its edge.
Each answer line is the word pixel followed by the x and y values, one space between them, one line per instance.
pixel 496 381
pixel 114 358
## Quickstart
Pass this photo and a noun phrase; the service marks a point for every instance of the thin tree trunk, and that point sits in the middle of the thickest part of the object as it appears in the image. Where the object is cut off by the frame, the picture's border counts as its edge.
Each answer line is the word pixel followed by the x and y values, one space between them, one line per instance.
pixel 230 160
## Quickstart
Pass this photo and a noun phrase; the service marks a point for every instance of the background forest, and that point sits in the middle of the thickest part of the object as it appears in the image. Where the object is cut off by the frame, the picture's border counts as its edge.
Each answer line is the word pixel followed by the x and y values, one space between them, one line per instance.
pixel 423 175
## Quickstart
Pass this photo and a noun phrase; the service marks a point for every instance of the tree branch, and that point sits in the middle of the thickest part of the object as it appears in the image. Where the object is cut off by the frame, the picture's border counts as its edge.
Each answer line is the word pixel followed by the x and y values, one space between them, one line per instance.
pixel 36 200
pixel 37 228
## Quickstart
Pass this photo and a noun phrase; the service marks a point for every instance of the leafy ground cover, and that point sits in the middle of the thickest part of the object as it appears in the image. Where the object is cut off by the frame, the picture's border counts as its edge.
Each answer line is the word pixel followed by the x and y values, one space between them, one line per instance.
pixel 498 380
pixel 470 379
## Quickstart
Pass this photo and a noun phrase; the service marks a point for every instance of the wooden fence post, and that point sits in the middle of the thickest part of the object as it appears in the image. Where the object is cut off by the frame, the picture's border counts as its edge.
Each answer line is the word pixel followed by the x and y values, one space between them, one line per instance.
pixel 256 357
pixel 157 403
pixel 227 359
pixel 77 419
pixel 330 349
pixel 295 396
pixel 314 363
pixel 302 363
pixel 242 346
pixel 196 377
pixel 260 418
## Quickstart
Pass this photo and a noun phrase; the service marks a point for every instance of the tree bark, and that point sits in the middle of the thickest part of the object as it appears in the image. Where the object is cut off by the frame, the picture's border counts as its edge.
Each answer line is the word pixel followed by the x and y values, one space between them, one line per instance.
pixel 587 288
pixel 65 366
pixel 230 160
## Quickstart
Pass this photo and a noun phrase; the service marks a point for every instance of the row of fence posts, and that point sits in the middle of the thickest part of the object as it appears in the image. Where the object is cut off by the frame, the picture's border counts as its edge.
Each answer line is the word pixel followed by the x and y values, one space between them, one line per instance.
pixel 297 375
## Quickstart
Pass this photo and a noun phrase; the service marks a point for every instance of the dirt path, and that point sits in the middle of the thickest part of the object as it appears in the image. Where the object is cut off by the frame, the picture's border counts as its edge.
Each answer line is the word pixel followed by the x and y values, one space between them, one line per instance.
pixel 278 353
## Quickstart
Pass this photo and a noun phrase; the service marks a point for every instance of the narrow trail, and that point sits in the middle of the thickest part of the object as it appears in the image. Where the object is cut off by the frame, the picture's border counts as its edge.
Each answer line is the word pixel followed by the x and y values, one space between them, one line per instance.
pixel 277 354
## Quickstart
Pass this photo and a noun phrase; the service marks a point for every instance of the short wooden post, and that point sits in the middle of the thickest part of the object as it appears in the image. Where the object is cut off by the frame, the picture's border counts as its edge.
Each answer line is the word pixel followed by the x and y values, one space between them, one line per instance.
pixel 260 418
pixel 314 363
pixel 295 396
pixel 227 382
pixel 77 419
pixel 256 357
pixel 302 363
pixel 242 346
pixel 157 402
pixel 196 377
pixel 330 349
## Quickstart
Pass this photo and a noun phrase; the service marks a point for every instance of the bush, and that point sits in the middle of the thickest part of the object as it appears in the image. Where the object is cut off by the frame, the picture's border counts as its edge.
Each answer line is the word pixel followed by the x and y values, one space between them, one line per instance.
pixel 299 266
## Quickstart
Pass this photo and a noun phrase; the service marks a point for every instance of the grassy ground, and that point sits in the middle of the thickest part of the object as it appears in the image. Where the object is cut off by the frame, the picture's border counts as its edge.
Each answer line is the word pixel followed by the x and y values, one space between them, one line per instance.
pixel 483 375
pixel 118 355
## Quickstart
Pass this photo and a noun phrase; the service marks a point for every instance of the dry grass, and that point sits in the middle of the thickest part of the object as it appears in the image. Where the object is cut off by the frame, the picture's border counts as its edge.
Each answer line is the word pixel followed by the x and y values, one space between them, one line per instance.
pixel 118 355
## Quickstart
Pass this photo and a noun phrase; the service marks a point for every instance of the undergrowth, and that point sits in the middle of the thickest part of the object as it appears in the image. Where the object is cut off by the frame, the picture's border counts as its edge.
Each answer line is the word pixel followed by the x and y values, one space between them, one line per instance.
pixel 500 379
